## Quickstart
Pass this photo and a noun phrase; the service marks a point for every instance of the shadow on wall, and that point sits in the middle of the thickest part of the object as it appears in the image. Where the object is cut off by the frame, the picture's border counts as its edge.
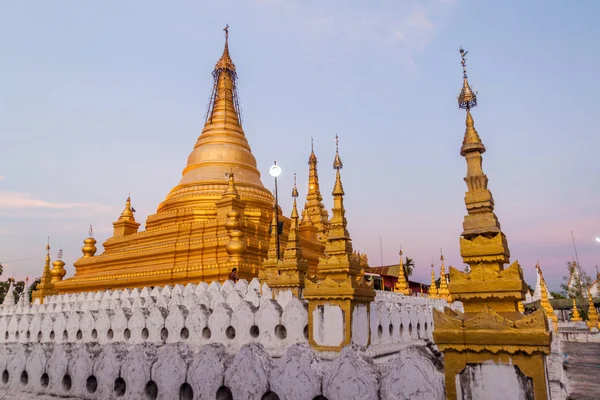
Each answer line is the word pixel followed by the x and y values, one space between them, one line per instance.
pixel 224 393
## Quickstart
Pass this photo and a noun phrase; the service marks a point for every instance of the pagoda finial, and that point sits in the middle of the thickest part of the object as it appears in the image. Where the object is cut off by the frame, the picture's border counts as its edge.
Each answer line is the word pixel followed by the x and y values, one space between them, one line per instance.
pixel 127 213
pixel 467 98
pixel 337 162
pixel 231 190
pixel 225 61
pixel 295 189
pixel 89 244
pixel 314 201
pixel 224 97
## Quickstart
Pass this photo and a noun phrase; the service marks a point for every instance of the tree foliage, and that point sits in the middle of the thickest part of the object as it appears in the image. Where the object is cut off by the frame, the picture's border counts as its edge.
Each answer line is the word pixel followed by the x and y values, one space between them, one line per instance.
pixel 579 289
pixel 409 266
pixel 18 288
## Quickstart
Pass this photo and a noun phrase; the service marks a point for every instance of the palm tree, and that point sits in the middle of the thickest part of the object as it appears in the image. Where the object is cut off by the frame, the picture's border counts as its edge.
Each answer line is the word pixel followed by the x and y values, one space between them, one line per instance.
pixel 409 265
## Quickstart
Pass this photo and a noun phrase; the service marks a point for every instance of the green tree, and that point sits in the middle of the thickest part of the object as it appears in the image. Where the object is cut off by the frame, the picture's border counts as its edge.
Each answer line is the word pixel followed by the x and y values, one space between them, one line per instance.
pixel 32 288
pixel 18 288
pixel 409 266
pixel 580 288
pixel 557 295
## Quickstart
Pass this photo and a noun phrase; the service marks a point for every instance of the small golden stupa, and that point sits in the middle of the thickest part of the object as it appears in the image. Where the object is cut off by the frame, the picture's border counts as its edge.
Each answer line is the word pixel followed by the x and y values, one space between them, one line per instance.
pixel 217 218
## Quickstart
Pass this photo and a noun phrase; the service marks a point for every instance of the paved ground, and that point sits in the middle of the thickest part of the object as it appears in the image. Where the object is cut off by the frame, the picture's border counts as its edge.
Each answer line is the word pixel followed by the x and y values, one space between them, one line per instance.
pixel 583 369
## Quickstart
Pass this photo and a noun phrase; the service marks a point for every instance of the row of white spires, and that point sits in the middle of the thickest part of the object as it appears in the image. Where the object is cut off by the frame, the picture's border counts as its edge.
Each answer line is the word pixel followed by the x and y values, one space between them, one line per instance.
pixel 231 314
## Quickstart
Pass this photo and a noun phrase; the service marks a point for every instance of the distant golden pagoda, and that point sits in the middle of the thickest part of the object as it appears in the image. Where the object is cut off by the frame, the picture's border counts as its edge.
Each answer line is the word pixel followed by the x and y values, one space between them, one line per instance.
pixel 401 285
pixel 217 218
pixel 491 329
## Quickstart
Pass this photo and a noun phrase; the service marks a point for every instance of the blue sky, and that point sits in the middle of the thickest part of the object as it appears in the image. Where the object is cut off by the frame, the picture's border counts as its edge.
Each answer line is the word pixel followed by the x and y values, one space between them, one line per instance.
pixel 102 99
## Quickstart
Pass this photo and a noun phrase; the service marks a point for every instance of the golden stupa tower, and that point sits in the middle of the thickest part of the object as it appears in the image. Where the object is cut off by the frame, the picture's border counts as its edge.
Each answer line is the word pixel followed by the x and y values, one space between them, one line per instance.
pixel 217 217
pixel 491 329
pixel 314 201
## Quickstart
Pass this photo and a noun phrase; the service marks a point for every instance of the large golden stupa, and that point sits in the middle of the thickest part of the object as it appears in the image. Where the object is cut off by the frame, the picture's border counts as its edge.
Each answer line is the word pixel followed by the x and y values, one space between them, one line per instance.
pixel 217 218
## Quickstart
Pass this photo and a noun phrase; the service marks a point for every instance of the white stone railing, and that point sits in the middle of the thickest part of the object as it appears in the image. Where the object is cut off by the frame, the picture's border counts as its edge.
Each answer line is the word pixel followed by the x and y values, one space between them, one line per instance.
pixel 228 313
pixel 180 371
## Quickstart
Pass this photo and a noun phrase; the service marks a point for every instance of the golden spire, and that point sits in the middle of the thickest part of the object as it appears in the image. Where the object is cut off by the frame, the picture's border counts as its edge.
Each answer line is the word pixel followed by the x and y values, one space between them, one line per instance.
pixel 89 244
pixel 273 240
pixel 225 61
pixel 401 285
pixel 314 201
pixel 221 148
pixel 575 317
pixel 337 162
pixel 481 221
pixel 338 238
pixel 46 278
pixel 126 224
pixel 467 98
pixel 433 293
pixel 592 321
pixel 544 302
pixel 127 214
pixel 231 190
pixel 292 249
pixel 443 291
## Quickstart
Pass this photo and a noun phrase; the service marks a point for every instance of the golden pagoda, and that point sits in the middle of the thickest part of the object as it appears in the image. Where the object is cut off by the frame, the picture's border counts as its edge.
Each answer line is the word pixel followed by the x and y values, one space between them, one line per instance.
pixel 401 285
pixel 45 287
pixel 576 317
pixel 443 292
pixel 592 321
pixel 314 201
pixel 545 302
pixel 491 329
pixel 217 217
pixel 433 292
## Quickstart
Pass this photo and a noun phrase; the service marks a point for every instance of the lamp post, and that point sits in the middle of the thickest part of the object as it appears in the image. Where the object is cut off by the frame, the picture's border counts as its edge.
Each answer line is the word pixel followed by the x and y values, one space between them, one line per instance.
pixel 275 171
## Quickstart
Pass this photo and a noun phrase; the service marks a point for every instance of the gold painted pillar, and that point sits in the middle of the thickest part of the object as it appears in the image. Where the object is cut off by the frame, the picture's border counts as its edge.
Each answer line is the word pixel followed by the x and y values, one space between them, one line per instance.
pixel 491 329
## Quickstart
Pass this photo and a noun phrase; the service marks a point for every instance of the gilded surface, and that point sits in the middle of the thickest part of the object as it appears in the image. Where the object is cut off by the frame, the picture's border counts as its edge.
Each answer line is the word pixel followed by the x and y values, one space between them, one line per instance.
pixel 340 275
pixel 207 224
pixel 492 328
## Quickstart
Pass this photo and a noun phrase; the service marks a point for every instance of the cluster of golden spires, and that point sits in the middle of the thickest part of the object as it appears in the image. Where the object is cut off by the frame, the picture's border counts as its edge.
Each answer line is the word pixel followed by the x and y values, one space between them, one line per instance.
pixel 217 218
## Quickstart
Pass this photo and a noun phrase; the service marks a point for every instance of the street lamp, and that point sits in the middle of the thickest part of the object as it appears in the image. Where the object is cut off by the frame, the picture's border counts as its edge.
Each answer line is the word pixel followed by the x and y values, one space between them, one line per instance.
pixel 275 171
pixel 598 239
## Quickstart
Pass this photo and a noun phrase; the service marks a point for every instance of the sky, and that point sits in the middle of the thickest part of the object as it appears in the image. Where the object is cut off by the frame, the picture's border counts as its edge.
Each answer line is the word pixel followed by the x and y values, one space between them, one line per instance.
pixel 102 99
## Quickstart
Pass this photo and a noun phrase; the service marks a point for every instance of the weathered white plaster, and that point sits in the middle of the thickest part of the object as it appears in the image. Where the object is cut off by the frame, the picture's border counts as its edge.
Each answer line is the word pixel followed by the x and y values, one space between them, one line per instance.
pixel 360 329
pixel 328 325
